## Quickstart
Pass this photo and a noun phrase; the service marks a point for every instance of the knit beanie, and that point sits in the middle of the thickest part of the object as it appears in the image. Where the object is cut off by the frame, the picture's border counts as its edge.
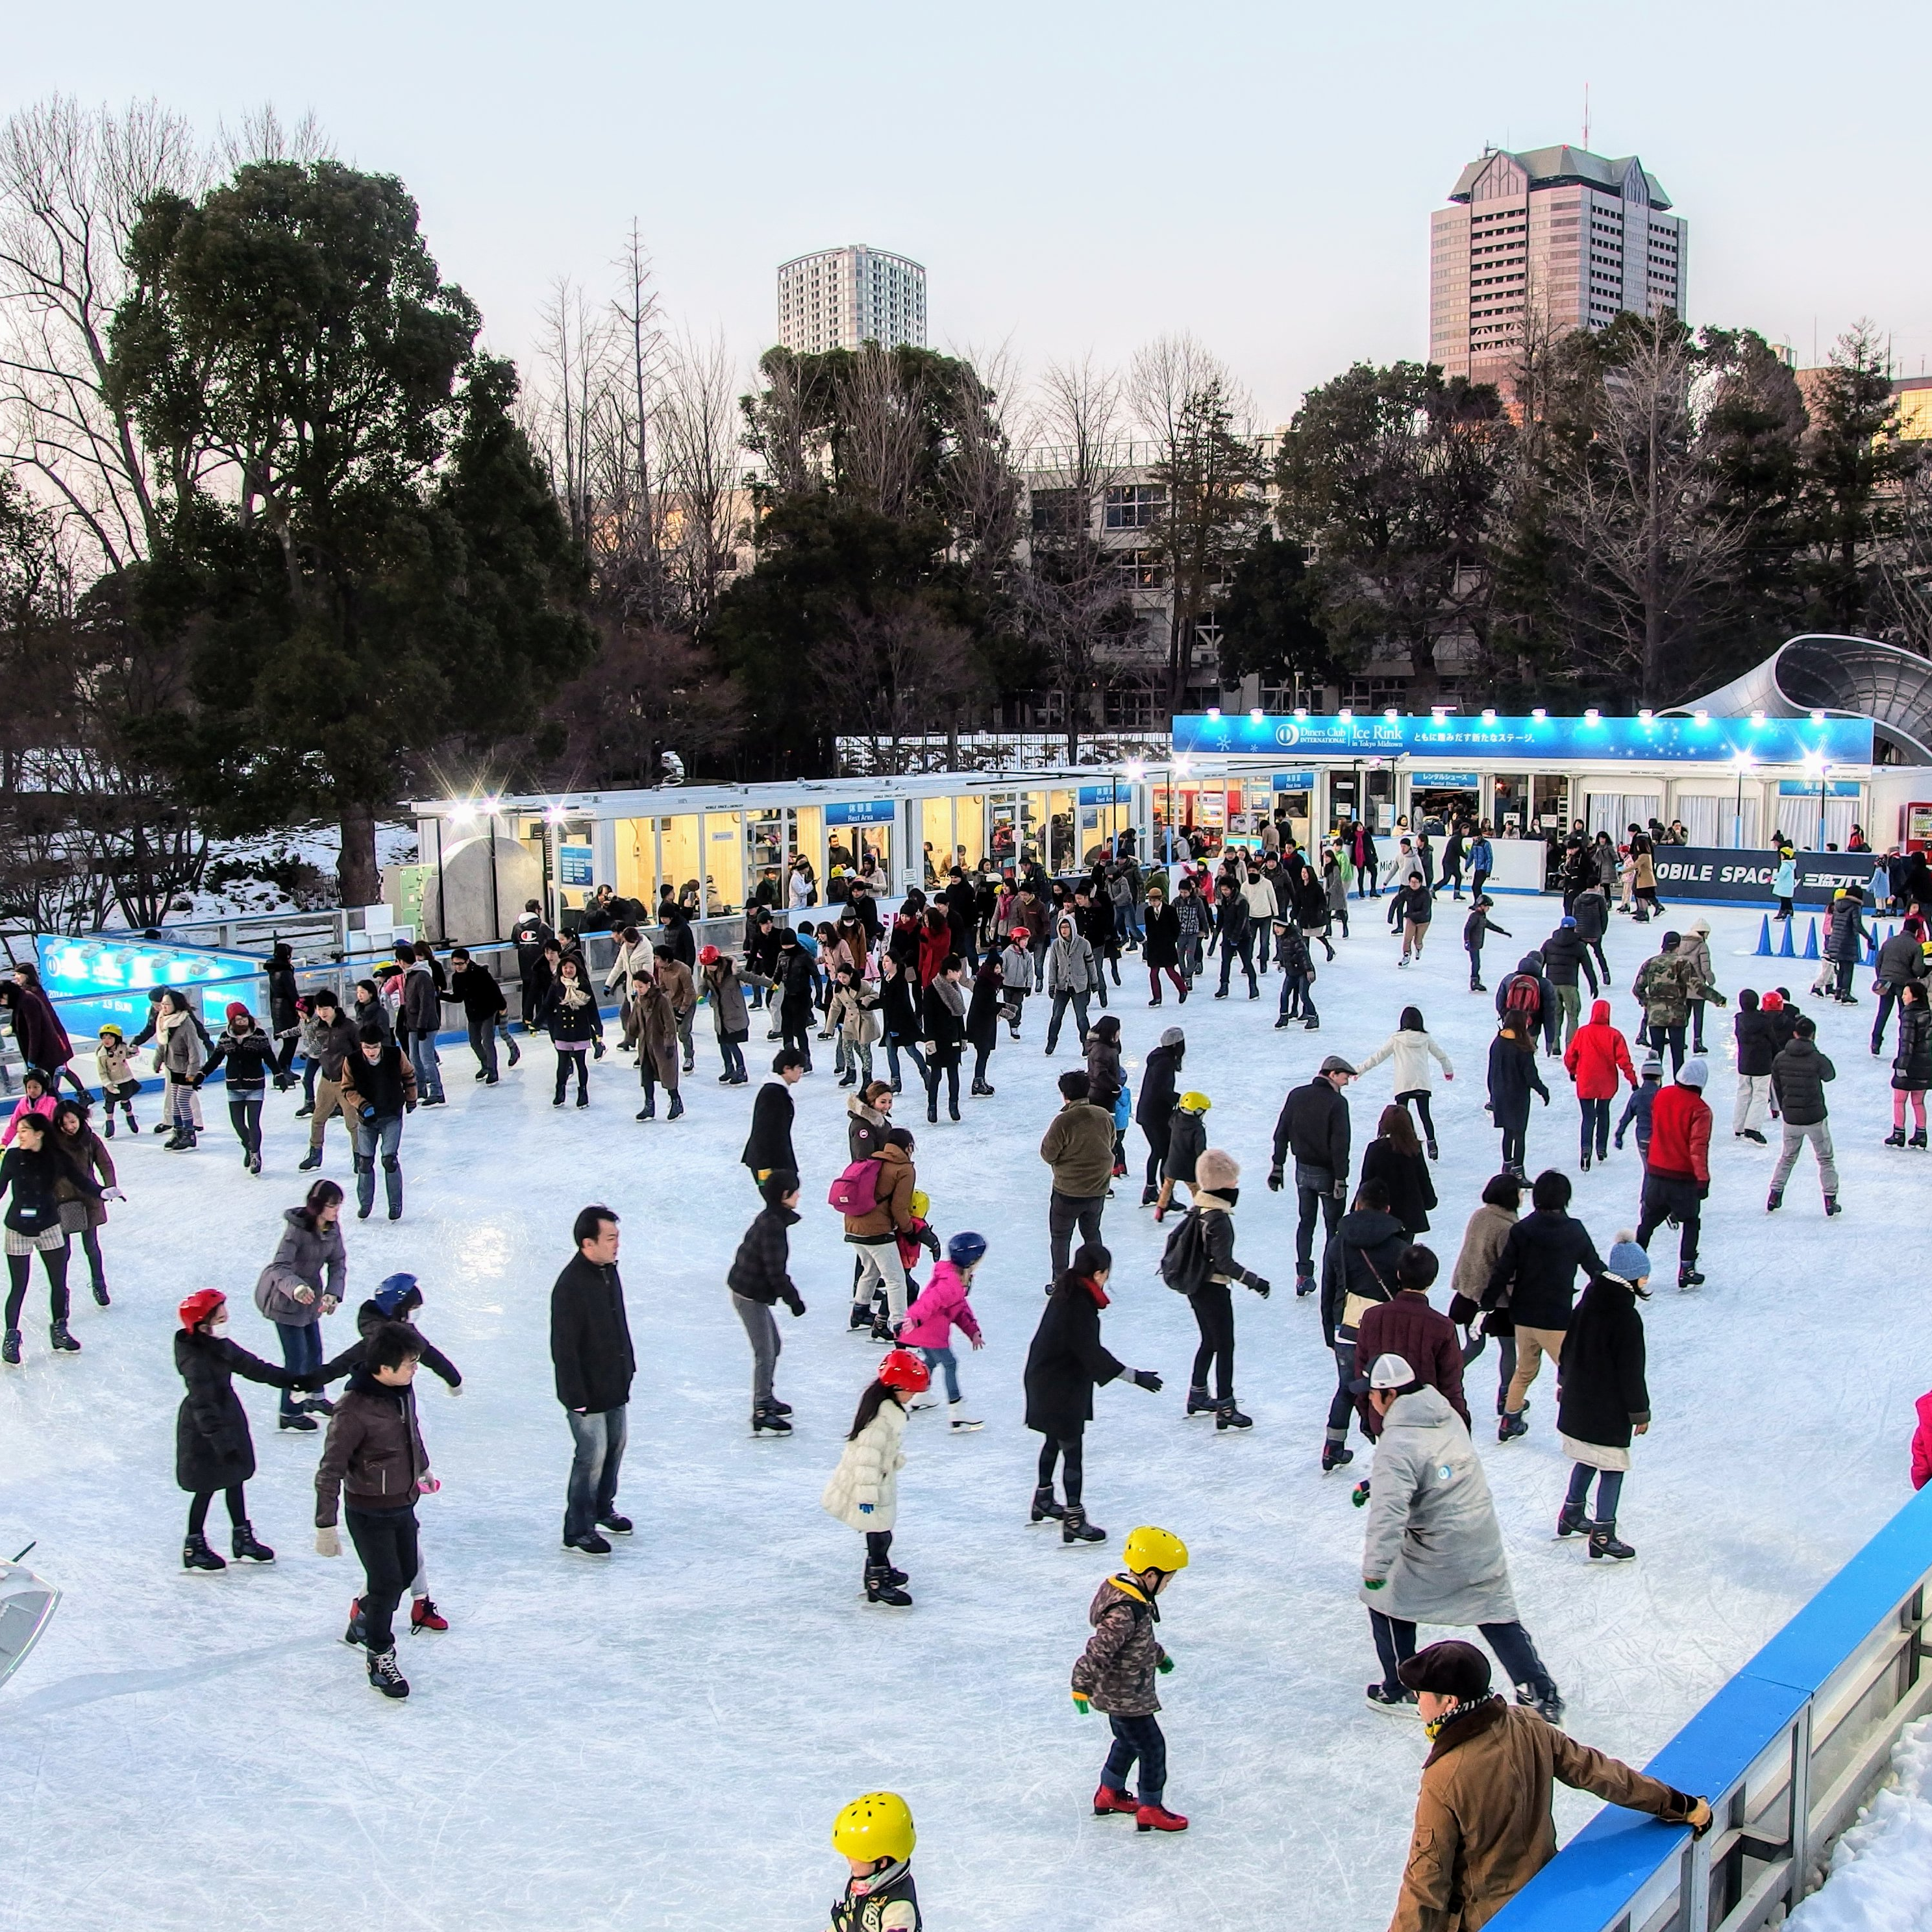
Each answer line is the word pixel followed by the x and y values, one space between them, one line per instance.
pixel 1216 1169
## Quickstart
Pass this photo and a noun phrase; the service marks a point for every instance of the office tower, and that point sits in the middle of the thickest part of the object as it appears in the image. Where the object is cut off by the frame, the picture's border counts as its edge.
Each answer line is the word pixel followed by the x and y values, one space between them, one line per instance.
pixel 842 297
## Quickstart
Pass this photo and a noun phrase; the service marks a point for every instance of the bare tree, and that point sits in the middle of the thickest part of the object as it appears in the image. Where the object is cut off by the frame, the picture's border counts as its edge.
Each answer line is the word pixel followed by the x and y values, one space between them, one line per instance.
pixel 888 672
pixel 705 509
pixel 260 135
pixel 885 440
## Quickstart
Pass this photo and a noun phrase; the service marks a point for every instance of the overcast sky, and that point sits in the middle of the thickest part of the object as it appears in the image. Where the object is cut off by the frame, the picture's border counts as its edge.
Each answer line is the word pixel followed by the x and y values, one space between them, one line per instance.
pixel 1072 178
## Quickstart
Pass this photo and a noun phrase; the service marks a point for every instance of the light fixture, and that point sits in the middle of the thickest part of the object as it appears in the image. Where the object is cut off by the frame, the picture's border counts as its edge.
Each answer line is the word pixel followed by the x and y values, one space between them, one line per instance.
pixel 1347 716
pixel 1389 716
pixel 1701 717
pixel 1136 771
pixel 1757 718
pixel 463 814
pixel 555 814
pixel 1301 713
pixel 1257 714
pixel 1817 717
pixel 490 803
pixel 1438 712
pixel 1182 767
pixel 1645 717
pixel 1593 716
pixel 1213 711
pixel 1539 713
pixel 1489 717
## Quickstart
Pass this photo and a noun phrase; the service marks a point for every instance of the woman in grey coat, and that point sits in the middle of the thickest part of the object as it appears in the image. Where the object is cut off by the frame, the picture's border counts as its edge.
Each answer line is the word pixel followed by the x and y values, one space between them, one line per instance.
pixel 1433 1553
pixel 307 1279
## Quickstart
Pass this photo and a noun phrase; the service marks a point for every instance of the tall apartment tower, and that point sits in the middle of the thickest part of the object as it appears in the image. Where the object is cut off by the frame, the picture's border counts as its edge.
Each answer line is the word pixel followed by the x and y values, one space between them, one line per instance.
pixel 1558 232
pixel 842 297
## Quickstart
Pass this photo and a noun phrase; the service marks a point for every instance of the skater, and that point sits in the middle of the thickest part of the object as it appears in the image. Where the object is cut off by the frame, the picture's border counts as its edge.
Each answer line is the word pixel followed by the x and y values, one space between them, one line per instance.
pixel 1194 922
pixel 797 973
pixel 178 1058
pixel 37 1031
pixel 982 1020
pixel 1072 974
pixel 1313 1125
pixel 1483 1823
pixel 1596 1053
pixel 1601 1401
pixel 1757 1044
pixel 1845 943
pixel 1199 1263
pixel 1154 1108
pixel 1666 985
pixel 759 1279
pixel 731 1020
pixel 1433 1552
pixel 1187 1140
pixel 1911 1065
pixel 31 1171
pixel 943 1022
pixel 1415 905
pixel 898 1011
pixel 1106 1083
pixel 1695 945
pixel 378 1088
pixel 1016 976
pixel 594 1362
pixel 1592 912
pixel 1677 1171
pixel 1901 962
pixel 307 1280
pixel 1528 993
pixel 1235 927
pixel 1535 1278
pixel 1115 1675
pixel 118 1085
pixel 1483 1238
pixel 1066 1362
pixel 420 1020
pixel 875 1836
pixel 374 1467
pixel 529 935
pixel 1395 1158
pixel 1412 1048
pixel 473 987
pixel 1335 890
pixel 1078 1148
pixel 568 1012
pixel 768 1146
pixel 1513 1077
pixel 864 1491
pixel 854 1016
pixel 876 1216
pixel 1160 946
pixel 1638 1109
pixel 1297 978
pixel 86 1185
pixel 250 1055
pixel 213 1449
pixel 1564 955
pixel 1358 1270
pixel 662 1000
pixel 1798 1078
pixel 1406 1325
pixel 37 1098
pixel 329 1037
pixel 941 1306
pixel 1784 883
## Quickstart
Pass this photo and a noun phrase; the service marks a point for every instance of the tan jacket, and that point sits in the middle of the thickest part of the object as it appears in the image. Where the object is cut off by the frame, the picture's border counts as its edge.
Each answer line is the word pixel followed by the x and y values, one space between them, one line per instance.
pixel 1078 1146
pixel 897 1177
pixel 1483 1241
pixel 1483 1827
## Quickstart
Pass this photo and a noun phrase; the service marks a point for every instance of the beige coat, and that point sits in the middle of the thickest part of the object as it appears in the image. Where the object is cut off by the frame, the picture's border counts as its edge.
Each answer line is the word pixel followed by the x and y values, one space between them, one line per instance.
pixel 868 1473
pixel 1483 1241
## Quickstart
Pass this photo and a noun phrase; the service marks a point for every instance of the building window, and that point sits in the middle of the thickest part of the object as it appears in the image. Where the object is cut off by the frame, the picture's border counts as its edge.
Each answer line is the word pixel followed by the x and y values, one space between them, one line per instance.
pixel 1056 512
pixel 1135 506
pixel 1140 569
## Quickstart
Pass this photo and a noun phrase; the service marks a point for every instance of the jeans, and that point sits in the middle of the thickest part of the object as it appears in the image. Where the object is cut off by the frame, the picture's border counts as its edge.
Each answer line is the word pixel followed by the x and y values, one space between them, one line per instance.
pixel 245 1116
pixel 938 1360
pixel 1243 949
pixel 54 1261
pixel 429 1069
pixel 1314 1184
pixel 1657 1037
pixel 1532 1345
pixel 1137 1739
pixel 879 1265
pixel 1070 1451
pixel 1060 999
pixel 761 1329
pixel 1609 1487
pixel 1214 1316
pixel 1665 1195
pixel 1297 999
pixel 1596 1128
pixel 1475 953
pixel 483 1044
pixel 384 1135
pixel 1063 1211
pixel 893 1049
pixel 1888 998
pixel 386 1541
pixel 302 1355
pixel 1819 1133
pixel 1342 1403
pixel 309 1070
pixel 1395 1644
pixel 598 1454
pixel 733 1056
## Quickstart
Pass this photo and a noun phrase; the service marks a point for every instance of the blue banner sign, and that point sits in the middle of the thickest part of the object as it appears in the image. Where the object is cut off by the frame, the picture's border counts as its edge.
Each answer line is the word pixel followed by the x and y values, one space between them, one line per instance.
pixel 573 866
pixel 106 977
pixel 1294 780
pixel 1775 741
pixel 1810 788
pixel 1706 872
pixel 1445 781
pixel 1106 794
pixel 864 811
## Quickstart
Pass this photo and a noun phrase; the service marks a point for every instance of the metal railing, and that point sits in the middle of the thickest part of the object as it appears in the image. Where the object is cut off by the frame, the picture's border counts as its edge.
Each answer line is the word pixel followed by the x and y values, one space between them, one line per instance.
pixel 1786 1752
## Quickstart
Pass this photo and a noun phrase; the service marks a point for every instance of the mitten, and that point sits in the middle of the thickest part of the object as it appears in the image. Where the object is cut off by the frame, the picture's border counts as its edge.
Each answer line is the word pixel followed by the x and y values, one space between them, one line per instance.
pixel 327 1543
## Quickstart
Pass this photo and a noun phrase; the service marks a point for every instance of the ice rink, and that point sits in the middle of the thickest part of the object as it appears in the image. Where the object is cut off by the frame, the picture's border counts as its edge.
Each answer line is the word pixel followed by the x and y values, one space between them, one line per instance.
pixel 662 1739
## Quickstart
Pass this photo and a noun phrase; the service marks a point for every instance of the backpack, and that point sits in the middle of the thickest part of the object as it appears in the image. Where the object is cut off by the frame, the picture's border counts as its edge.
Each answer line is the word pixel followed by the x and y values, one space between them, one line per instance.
pixel 856 1191
pixel 1523 995
pixel 1183 1261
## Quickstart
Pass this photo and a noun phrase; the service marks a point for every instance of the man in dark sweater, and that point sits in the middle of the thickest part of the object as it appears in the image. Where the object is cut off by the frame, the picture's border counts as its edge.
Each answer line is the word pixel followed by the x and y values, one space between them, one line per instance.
pixel 768 1146
pixel 760 1277
pixel 1798 1077
pixel 1423 1336
pixel 1535 1277
pixel 1313 1125
pixel 590 1350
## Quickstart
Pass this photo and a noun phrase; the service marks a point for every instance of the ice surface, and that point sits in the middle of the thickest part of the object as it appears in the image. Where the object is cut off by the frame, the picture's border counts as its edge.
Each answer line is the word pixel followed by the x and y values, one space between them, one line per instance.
pixel 662 1740
pixel 1881 1874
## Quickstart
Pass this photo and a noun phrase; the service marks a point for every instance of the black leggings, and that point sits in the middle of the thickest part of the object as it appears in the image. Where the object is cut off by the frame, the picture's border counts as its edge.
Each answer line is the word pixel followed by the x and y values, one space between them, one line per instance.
pixel 245 1116
pixel 1156 1153
pixel 54 1260
pixel 1214 1316
pixel 1069 1452
pixel 1420 1095
pixel 197 1509
pixel 933 1071
pixel 564 1062
pixel 980 1055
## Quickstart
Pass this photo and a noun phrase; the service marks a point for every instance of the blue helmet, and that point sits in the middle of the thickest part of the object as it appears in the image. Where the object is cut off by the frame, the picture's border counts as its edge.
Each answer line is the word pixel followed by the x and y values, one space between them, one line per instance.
pixel 965 1249
pixel 397 1292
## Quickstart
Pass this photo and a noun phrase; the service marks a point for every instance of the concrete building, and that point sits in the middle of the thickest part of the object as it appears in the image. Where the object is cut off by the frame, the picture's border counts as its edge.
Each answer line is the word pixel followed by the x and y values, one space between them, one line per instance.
pixel 842 297
pixel 1560 233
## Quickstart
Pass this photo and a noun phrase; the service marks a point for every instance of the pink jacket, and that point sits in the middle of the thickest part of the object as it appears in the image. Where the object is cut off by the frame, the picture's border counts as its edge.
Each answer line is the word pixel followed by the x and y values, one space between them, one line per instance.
pixel 1921 1439
pixel 44 1105
pixel 929 1322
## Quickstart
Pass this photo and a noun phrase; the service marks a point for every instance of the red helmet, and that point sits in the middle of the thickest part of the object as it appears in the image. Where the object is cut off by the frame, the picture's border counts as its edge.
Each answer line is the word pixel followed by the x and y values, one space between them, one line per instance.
pixel 1020 936
pixel 708 957
pixel 903 1369
pixel 200 1306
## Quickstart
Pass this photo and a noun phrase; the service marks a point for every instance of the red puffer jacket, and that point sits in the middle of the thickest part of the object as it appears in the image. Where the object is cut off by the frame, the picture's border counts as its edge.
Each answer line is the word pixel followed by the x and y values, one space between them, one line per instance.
pixel 1680 1134
pixel 1597 1054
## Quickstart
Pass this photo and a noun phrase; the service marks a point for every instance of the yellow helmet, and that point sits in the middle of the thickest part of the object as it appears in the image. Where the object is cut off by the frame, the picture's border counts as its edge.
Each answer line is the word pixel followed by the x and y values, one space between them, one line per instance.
pixel 1149 1549
pixel 921 1201
pixel 1195 1103
pixel 878 1826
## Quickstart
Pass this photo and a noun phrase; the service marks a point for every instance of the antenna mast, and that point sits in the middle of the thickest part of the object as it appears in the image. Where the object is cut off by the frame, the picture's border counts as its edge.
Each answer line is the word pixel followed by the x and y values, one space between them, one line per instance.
pixel 1586 117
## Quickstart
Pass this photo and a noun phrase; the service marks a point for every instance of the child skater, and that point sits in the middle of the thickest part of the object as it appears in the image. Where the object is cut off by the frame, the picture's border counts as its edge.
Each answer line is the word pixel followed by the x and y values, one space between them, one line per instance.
pixel 864 1491
pixel 213 1449
pixel 759 1279
pixel 1186 1141
pixel 1115 1674
pixel 1297 977
pixel 1636 1108
pixel 874 1835
pixel 118 1084
pixel 1474 928
pixel 1601 1400
pixel 930 1320
pixel 1016 975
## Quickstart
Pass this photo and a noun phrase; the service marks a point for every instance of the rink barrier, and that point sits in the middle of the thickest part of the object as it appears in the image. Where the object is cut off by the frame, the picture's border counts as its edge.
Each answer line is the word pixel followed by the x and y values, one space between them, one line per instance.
pixel 1786 1752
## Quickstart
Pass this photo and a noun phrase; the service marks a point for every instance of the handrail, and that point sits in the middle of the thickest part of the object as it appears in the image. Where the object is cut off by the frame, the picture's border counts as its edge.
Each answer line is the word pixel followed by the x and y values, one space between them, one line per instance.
pixel 1786 1751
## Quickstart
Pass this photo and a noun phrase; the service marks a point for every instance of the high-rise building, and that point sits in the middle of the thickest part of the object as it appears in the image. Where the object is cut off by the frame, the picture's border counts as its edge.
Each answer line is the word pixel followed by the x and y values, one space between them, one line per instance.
pixel 1556 232
pixel 842 297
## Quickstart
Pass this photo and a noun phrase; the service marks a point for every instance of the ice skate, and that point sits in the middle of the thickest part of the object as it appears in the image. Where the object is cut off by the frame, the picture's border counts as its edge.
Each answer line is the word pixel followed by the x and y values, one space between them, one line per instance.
pixel 1603 1542
pixel 1199 1402
pixel 385 1677
pixel 196 1555
pixel 1688 1277
pixel 1831 1206
pixel 1228 1415
pixel 1398 1702
pixel 60 1341
pixel 1544 1699
pixel 1335 1455
pixel 423 1615
pixel 961 1423
pixel 882 1591
pixel 1896 1137
pixel 247 1546
pixel 1571 1521
pixel 766 1421
pixel 356 1634
pixel 1157 1818
pixel 1108 1804
pixel 100 1294
pixel 1074 1527
pixel 1045 1507
pixel 297 1419
pixel 1510 1427
pixel 1773 1201
pixel 10 1349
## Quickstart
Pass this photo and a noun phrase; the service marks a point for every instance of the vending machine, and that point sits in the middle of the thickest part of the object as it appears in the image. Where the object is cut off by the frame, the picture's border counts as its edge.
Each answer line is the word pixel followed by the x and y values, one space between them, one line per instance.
pixel 1919 827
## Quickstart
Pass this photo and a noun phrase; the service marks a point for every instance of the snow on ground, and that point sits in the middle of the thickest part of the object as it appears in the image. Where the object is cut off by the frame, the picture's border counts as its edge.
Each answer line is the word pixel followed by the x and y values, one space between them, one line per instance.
pixel 662 1740
pixel 1881 1872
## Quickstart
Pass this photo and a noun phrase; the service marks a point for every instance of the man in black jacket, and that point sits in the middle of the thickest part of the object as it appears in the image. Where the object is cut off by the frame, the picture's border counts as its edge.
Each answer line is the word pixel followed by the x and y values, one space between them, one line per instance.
pixel 530 935
pixel 1798 1077
pixel 473 987
pixel 760 1277
pixel 590 1351
pixel 1154 1110
pixel 1535 1275
pixel 1901 962
pixel 1563 952
pixel 1313 1125
pixel 768 1147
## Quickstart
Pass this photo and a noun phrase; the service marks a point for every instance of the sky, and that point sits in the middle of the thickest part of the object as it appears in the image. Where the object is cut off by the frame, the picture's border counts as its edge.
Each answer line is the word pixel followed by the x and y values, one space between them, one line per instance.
pixel 1076 179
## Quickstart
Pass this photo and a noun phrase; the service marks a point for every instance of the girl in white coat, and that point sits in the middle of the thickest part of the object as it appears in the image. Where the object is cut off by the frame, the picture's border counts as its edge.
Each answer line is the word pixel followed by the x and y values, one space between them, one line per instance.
pixel 864 1491
pixel 1412 1048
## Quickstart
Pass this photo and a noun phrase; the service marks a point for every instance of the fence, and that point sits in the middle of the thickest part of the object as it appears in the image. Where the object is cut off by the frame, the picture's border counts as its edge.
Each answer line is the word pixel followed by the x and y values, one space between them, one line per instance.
pixel 1786 1752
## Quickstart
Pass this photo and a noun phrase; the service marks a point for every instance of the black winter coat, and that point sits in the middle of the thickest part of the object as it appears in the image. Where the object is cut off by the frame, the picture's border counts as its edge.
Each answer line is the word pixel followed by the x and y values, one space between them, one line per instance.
pixel 1361 1259
pixel 1535 1275
pixel 1313 1126
pixel 1912 1064
pixel 474 987
pixel 982 1009
pixel 28 1181
pixel 213 1449
pixel 569 1025
pixel 1066 1362
pixel 1798 1077
pixel 1159 1077
pixel 283 994
pixel 368 1319
pixel 1592 912
pixel 1847 934
pixel 1564 953
pixel 943 1028
pixel 1162 946
pixel 1513 1077
pixel 1411 1191
pixel 590 1337
pixel 1413 903
pixel 1600 1395
pixel 760 1270
pixel 251 1058
pixel 768 1143
pixel 898 1010
pixel 1757 1041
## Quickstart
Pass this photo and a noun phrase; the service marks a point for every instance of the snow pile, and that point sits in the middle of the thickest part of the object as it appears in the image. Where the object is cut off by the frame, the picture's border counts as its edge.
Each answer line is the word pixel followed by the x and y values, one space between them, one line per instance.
pixel 1881 1875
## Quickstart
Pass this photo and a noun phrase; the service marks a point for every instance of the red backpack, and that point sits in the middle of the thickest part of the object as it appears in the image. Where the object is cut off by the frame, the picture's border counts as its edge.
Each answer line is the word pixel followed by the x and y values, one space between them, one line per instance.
pixel 856 1191
pixel 1522 995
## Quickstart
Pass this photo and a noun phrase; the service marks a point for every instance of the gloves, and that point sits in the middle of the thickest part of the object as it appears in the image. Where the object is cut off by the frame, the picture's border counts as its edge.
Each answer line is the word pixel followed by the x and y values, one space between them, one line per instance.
pixel 114 1194
pixel 327 1543
pixel 1375 1582
pixel 1080 1705
pixel 797 1306
pixel 367 1110
pixel 1699 1820
pixel 430 1483
pixel 1260 1286
pixel 864 1509
pixel 1166 1664
pixel 1341 1190
pixel 1359 1496
pixel 1274 1181
pixel 1145 1378
pixel 1546 1100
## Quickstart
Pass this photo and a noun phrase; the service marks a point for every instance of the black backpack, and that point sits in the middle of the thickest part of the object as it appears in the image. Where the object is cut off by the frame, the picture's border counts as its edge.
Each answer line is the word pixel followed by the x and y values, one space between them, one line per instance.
pixel 1183 1261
